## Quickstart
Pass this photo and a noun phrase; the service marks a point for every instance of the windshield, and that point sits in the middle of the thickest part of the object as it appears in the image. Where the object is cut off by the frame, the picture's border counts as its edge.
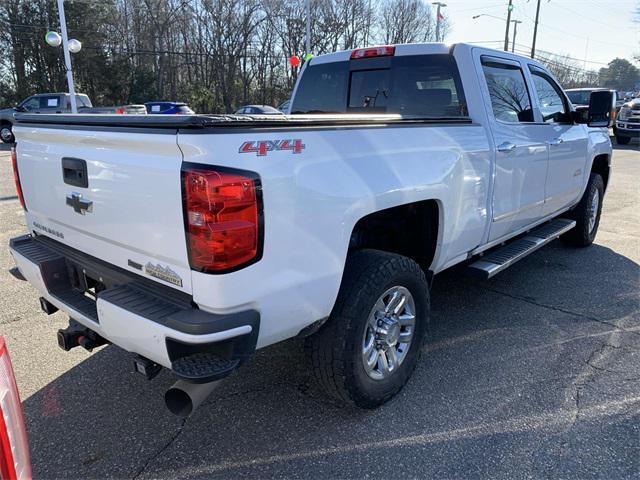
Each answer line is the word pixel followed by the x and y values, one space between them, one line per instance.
pixel 580 97
pixel 416 85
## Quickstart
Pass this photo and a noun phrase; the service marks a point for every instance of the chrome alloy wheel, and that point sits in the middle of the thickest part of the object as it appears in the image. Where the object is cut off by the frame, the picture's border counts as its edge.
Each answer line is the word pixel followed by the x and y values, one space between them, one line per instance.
pixel 389 332
pixel 593 210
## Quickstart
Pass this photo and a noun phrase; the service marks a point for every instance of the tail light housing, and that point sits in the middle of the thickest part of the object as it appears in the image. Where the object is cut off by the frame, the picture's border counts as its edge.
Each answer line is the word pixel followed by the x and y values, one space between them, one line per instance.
pixel 223 217
pixel 16 176
pixel 15 462
pixel 381 51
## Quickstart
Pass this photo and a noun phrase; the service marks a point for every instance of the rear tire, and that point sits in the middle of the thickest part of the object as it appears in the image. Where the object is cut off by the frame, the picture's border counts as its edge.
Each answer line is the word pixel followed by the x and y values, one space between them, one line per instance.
pixel 586 214
pixel 363 329
pixel 622 140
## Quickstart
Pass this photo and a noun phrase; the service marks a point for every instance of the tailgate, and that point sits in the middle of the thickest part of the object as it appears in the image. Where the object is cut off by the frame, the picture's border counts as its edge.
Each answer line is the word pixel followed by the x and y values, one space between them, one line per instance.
pixel 127 211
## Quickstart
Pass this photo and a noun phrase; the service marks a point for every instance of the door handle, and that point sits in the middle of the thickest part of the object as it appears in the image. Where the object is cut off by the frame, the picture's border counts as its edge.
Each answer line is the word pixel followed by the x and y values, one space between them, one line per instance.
pixel 506 147
pixel 556 141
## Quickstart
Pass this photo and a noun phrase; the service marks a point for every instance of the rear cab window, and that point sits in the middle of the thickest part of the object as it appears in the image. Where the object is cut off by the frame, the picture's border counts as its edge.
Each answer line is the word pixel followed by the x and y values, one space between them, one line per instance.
pixel 421 86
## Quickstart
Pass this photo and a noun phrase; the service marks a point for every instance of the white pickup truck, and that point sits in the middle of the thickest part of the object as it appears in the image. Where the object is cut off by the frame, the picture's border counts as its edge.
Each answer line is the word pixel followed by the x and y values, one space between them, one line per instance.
pixel 192 241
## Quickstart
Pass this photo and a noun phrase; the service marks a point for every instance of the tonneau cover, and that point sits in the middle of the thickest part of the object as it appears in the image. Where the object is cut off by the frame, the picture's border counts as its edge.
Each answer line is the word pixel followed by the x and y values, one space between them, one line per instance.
pixel 240 121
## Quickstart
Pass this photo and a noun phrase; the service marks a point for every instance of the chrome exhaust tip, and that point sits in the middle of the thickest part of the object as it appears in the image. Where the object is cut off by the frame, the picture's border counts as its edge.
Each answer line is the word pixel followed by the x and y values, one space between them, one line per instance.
pixel 183 398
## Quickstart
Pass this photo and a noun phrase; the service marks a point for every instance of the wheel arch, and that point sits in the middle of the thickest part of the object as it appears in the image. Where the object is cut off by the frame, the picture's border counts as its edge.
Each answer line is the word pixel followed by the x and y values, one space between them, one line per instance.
pixel 411 229
pixel 601 166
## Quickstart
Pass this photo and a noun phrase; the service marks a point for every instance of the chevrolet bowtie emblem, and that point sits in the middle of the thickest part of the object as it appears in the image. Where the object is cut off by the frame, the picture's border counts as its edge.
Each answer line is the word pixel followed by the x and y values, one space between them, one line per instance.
pixel 79 205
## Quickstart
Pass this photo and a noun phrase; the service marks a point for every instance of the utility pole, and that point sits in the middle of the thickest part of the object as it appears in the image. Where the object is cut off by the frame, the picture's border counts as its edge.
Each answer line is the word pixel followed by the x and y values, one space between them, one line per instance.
pixel 308 34
pixel 515 32
pixel 438 17
pixel 67 56
pixel 506 33
pixel 535 31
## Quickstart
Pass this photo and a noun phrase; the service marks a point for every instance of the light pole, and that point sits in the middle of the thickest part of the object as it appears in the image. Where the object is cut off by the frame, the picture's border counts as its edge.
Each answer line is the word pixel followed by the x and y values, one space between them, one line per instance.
pixel 308 32
pixel 438 17
pixel 515 32
pixel 67 56
pixel 69 46
pixel 506 32
pixel 535 31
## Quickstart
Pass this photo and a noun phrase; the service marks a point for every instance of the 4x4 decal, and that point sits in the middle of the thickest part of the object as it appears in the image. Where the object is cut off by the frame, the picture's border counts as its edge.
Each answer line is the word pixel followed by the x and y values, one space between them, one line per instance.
pixel 262 147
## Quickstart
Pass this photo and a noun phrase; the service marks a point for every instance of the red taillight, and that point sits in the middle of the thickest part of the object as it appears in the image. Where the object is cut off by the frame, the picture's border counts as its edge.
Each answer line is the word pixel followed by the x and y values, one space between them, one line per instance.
pixel 223 216
pixel 382 51
pixel 14 448
pixel 120 111
pixel 16 176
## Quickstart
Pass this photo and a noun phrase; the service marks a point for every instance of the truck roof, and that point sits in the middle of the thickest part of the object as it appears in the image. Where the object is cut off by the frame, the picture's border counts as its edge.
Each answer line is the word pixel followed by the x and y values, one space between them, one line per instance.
pixel 66 94
pixel 430 48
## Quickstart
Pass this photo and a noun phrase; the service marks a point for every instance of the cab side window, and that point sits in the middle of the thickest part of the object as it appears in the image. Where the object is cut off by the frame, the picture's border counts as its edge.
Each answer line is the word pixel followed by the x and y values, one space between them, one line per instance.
pixel 49 102
pixel 508 91
pixel 32 103
pixel 551 101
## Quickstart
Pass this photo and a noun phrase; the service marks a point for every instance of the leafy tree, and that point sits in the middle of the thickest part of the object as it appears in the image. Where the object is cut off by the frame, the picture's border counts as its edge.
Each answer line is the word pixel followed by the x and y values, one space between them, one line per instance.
pixel 620 74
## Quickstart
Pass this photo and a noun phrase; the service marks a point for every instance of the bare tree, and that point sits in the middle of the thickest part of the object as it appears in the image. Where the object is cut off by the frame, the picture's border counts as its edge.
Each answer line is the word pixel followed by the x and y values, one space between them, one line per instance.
pixel 215 54
pixel 406 21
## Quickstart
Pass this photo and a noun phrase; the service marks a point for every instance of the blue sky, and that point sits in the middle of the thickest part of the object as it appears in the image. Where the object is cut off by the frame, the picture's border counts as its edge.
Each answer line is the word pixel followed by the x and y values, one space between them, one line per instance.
pixel 593 30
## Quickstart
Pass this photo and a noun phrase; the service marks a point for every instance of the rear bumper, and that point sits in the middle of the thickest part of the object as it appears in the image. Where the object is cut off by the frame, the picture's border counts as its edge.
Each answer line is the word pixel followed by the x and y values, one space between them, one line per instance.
pixel 135 313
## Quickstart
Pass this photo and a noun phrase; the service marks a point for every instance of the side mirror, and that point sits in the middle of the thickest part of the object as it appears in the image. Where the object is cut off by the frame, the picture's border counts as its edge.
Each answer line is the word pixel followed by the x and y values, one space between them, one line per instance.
pixel 18 108
pixel 580 114
pixel 600 108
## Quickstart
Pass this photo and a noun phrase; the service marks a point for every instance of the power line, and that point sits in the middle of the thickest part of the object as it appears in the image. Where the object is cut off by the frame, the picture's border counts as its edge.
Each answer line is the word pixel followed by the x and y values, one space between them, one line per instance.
pixel 584 16
pixel 564 32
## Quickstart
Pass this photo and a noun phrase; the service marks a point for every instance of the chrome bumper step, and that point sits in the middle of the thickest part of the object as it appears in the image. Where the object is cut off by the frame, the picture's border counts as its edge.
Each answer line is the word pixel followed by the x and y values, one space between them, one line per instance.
pixel 503 257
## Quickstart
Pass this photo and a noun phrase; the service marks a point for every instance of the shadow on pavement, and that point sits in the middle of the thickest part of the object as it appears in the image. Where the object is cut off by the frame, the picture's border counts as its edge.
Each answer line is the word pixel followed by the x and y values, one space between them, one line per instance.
pixel 499 391
pixel 633 145
pixel 6 147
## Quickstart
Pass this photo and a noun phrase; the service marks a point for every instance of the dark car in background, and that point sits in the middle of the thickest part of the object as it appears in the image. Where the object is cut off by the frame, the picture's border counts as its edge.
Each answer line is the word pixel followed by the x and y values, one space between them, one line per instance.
pixel 580 96
pixel 168 108
pixel 258 110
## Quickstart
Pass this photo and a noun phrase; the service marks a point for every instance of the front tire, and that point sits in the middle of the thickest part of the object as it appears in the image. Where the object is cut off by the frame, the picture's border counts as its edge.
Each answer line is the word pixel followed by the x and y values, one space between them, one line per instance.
pixel 369 347
pixel 6 135
pixel 622 140
pixel 586 214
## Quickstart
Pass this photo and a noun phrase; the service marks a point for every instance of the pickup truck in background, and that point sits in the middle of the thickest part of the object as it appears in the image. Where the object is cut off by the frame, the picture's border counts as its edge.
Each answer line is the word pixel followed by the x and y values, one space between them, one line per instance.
pixel 47 103
pixel 628 122
pixel 41 103
pixel 192 241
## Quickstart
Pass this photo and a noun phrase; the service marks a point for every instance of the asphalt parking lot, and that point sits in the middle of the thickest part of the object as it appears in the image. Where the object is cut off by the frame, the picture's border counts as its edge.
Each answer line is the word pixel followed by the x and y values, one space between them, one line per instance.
pixel 535 373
